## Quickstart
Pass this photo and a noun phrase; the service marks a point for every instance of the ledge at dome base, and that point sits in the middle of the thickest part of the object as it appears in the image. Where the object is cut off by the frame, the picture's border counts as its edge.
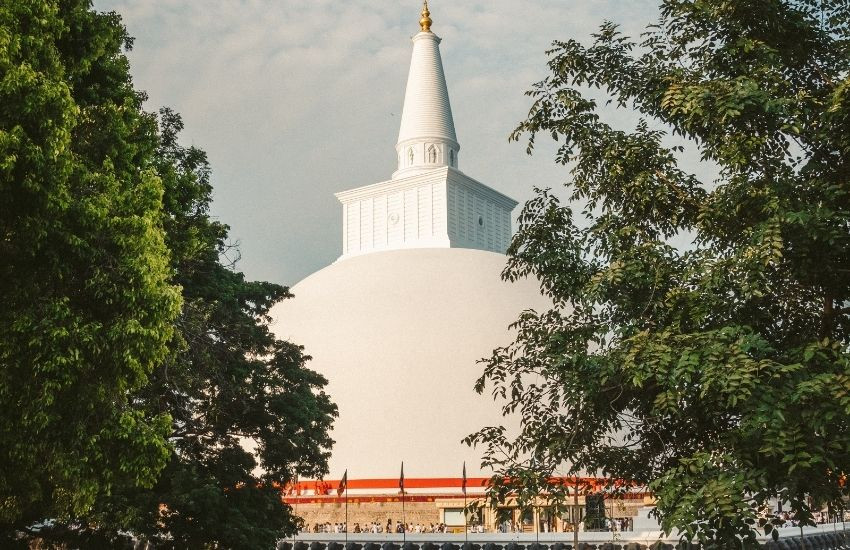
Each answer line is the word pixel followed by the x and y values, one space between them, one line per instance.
pixel 321 487
pixel 415 245
pixel 822 537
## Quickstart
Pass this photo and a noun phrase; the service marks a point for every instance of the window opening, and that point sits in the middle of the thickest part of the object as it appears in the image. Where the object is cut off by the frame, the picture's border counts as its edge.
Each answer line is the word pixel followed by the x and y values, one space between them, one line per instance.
pixel 432 154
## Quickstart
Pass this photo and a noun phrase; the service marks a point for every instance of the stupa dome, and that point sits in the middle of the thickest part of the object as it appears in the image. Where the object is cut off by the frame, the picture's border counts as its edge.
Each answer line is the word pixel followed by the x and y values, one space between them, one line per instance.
pixel 398 334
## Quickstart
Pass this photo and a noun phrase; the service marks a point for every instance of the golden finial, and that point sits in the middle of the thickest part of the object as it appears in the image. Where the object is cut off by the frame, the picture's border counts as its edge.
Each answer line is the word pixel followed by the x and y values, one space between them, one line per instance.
pixel 425 22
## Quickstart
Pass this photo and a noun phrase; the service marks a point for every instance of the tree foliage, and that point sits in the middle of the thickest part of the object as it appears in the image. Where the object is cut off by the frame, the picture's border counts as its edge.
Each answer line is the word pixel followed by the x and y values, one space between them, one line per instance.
pixel 231 386
pixel 127 410
pixel 87 301
pixel 717 374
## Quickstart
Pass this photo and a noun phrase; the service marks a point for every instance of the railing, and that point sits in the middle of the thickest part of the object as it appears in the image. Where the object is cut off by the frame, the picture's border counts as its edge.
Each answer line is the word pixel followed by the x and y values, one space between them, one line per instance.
pixel 822 537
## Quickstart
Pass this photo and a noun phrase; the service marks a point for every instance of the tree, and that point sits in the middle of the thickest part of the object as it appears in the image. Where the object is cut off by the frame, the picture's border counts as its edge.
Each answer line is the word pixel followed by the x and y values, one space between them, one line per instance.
pixel 239 398
pixel 142 391
pixel 230 383
pixel 88 307
pixel 717 373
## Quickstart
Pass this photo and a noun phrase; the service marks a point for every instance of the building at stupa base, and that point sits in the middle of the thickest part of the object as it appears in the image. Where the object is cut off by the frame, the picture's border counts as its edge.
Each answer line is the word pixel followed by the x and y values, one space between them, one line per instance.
pixel 430 503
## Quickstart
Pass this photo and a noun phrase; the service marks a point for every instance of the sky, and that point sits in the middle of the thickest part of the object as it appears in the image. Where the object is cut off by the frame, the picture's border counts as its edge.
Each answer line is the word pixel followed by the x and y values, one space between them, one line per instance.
pixel 295 100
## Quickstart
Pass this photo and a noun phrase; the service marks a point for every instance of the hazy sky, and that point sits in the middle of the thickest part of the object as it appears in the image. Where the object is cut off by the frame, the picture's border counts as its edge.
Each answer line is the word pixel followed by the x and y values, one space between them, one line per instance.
pixel 295 100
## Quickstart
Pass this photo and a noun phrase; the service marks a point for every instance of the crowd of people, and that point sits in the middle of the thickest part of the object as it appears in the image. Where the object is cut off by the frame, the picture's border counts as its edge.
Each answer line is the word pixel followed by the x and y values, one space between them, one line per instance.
pixel 623 524
pixel 618 524
pixel 788 520
pixel 378 527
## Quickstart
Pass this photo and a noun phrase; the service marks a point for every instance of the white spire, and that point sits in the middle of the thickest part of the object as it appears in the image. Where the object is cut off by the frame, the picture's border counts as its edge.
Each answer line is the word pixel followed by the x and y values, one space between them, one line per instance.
pixel 426 139
pixel 428 203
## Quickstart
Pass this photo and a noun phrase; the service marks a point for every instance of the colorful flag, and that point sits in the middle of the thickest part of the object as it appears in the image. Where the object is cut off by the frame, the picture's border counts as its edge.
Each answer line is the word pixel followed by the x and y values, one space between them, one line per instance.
pixel 463 485
pixel 401 478
pixel 343 483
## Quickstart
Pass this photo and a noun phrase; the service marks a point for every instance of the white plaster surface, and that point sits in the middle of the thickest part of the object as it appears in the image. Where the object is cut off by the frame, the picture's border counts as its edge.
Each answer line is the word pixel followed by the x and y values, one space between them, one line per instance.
pixel 427 111
pixel 398 333
pixel 426 120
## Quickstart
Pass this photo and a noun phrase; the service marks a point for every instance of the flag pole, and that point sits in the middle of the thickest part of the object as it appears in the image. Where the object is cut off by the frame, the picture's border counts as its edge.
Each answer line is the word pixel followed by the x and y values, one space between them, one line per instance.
pixel 403 517
pixel 535 513
pixel 465 526
pixel 346 512
pixel 295 511
pixel 576 515
pixel 343 487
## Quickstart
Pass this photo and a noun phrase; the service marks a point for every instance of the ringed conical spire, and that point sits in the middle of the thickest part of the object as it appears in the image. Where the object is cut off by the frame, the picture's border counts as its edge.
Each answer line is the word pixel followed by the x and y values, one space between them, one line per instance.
pixel 426 139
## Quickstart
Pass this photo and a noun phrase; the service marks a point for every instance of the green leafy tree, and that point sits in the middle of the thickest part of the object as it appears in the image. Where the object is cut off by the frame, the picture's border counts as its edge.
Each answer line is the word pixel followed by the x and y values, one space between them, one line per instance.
pixel 88 305
pixel 125 408
pixel 717 373
pixel 248 416
pixel 230 382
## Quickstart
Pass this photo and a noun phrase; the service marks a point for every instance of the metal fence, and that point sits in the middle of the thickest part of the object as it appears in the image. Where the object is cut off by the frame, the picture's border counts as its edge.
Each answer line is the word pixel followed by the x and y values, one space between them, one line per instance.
pixel 822 537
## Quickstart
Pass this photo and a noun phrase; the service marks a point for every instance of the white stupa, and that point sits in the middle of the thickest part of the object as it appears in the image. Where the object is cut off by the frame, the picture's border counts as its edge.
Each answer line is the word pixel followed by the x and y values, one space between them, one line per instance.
pixel 398 323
